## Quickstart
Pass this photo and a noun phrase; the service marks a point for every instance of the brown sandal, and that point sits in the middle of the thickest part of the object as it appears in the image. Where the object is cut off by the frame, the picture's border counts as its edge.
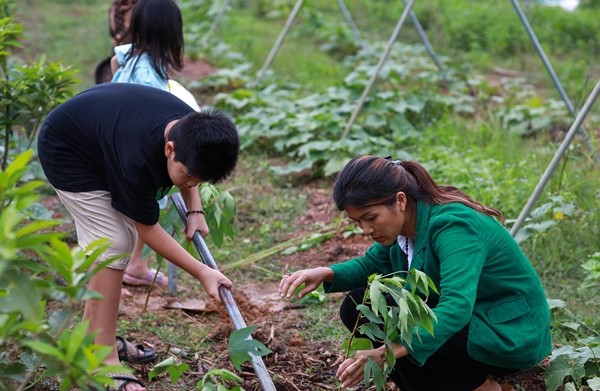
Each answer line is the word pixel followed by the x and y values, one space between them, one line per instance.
pixel 121 380
pixel 130 353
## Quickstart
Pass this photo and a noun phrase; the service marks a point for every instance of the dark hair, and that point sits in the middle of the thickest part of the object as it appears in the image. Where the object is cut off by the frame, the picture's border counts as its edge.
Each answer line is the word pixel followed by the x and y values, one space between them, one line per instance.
pixel 371 180
pixel 103 74
pixel 157 30
pixel 207 143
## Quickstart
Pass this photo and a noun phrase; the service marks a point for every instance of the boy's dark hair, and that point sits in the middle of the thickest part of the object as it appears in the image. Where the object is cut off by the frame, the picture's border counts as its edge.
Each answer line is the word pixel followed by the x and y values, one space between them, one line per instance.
pixel 103 74
pixel 157 30
pixel 207 143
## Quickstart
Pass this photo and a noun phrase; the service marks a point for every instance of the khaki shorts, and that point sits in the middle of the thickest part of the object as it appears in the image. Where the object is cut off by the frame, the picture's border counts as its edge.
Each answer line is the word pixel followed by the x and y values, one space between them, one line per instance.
pixel 95 218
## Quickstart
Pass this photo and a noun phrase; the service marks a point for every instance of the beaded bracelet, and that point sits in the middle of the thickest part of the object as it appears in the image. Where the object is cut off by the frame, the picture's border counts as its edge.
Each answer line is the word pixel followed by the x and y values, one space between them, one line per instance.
pixel 189 212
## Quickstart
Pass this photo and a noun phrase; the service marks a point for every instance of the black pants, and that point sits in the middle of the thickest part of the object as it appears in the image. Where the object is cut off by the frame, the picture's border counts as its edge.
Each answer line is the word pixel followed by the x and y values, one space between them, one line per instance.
pixel 450 368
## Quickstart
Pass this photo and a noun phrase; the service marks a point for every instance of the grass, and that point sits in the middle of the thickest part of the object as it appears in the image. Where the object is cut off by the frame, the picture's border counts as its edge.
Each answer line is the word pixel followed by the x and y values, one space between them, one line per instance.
pixel 295 61
pixel 70 31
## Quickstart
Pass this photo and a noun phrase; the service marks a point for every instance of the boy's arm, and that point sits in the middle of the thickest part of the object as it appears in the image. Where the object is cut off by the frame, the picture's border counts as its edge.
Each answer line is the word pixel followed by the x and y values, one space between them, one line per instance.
pixel 161 242
pixel 195 221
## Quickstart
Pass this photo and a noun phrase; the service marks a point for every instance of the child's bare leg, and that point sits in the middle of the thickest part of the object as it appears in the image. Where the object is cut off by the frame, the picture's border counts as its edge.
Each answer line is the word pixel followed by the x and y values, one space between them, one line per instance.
pixel 102 314
pixel 138 266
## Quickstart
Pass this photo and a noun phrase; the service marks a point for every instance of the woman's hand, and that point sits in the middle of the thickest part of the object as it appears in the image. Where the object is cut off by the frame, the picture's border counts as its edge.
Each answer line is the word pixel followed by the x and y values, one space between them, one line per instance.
pixel 351 371
pixel 312 278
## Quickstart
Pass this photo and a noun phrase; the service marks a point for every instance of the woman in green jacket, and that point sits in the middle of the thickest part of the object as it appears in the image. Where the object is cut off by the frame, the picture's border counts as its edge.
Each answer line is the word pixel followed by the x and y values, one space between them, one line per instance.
pixel 492 314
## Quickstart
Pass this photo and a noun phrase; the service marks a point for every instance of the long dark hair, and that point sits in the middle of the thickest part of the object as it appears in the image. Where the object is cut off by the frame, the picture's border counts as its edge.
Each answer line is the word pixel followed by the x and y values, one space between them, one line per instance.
pixel 157 30
pixel 371 180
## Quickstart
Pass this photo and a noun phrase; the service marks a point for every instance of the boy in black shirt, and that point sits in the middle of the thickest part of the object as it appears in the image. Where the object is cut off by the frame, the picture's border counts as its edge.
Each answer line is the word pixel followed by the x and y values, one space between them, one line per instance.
pixel 111 152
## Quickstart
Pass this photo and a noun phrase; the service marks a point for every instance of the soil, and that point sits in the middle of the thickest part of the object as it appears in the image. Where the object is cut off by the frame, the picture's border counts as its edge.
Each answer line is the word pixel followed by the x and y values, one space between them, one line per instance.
pixel 194 70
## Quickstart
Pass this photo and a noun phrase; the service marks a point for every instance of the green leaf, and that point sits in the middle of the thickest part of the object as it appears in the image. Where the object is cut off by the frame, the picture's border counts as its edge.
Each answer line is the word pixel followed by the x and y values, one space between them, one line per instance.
pixel 45 349
pixel 369 314
pixel 353 344
pixel 560 368
pixel 372 331
pixel 594 383
pixel 556 303
pixel 570 387
pixel 374 371
pixel 241 346
pixel 23 296
pixel 169 365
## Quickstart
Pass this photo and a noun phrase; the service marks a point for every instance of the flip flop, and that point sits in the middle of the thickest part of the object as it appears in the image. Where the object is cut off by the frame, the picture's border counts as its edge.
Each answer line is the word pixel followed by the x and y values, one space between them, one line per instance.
pixel 134 354
pixel 161 280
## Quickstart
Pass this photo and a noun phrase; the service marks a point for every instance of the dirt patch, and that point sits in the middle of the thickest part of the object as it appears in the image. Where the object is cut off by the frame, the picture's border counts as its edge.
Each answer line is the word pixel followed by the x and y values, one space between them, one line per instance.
pixel 194 70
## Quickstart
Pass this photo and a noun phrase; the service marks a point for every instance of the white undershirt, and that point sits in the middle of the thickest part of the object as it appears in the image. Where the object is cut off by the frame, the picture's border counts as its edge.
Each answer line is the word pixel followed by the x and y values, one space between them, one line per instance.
pixel 402 243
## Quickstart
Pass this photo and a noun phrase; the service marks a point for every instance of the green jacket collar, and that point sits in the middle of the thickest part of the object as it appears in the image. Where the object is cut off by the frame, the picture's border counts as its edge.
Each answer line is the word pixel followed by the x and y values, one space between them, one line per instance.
pixel 422 226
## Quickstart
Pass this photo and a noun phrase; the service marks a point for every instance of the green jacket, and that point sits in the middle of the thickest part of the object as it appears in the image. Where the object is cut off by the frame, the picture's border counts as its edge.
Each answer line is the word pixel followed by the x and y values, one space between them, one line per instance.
pixel 484 280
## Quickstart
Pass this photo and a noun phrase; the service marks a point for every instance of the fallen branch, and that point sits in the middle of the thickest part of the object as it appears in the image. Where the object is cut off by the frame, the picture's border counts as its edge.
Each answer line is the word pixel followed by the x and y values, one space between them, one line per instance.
pixel 330 229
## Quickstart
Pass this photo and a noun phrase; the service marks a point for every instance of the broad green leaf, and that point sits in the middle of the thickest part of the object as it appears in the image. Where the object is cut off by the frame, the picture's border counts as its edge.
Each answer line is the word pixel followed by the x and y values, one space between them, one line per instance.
pixel 45 349
pixel 560 368
pixel 353 344
pixel 241 346
pixel 594 383
pixel 570 386
pixel 161 367
pixel 556 303
pixel 23 296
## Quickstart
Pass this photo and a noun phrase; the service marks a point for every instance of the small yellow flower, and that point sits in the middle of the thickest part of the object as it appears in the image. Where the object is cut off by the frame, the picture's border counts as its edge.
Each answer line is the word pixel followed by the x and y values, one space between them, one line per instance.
pixel 559 215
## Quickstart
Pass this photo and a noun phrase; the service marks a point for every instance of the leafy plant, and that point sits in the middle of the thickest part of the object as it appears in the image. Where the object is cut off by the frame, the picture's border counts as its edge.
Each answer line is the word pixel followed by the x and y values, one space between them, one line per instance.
pixel 545 216
pixel 407 317
pixel 37 342
pixel 241 347
pixel 220 210
pixel 27 92
pixel 592 266
pixel 169 365
pixel 575 365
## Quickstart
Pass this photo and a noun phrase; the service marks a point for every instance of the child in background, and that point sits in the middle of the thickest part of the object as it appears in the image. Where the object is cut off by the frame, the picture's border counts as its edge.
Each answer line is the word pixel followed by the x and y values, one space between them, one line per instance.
pixel 156 33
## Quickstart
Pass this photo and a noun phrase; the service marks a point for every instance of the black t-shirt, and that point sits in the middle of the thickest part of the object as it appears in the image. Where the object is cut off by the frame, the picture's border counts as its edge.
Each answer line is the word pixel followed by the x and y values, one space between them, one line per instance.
pixel 111 137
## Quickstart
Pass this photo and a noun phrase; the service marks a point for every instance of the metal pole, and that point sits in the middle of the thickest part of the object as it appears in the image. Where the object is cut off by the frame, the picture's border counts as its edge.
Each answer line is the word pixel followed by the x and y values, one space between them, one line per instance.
pixel 553 75
pixel 384 57
pixel 172 274
pixel 427 44
pixel 279 41
pixel 226 296
pixel 555 160
pixel 351 23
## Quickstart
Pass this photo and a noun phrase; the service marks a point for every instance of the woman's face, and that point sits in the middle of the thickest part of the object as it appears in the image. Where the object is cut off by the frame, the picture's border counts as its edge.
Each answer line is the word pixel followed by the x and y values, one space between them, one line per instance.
pixel 381 222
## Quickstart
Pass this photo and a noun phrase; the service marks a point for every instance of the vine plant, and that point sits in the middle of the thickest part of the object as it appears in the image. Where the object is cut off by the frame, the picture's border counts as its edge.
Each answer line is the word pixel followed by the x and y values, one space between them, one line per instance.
pixel 387 324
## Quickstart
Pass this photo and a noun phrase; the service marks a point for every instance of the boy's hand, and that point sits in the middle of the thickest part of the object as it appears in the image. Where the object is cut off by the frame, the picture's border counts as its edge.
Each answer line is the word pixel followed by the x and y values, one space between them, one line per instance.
pixel 211 281
pixel 196 222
